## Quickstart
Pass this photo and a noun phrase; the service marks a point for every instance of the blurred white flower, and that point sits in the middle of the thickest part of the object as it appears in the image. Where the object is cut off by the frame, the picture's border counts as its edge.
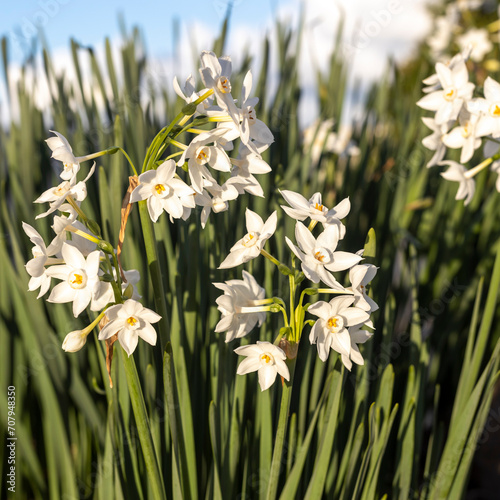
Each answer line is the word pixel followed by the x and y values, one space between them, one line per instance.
pixel 319 256
pixel 252 243
pixel 464 136
pixel 130 321
pixel 442 33
pixel 478 40
pixel 239 306
pixel 331 329
pixel 456 90
pixel 80 278
pixel 163 192
pixel 489 122
pixel 434 142
pixel 456 173
pixel 266 359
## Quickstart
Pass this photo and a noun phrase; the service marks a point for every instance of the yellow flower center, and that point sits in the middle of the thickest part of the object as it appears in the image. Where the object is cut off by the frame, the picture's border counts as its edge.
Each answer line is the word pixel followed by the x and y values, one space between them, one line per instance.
pixel 466 130
pixel 332 323
pixel 202 155
pixel 335 324
pixel 318 207
pixel 159 188
pixel 450 94
pixel 62 189
pixel 131 321
pixel 250 239
pixel 266 358
pixel 319 256
pixel 495 110
pixel 78 279
pixel 224 85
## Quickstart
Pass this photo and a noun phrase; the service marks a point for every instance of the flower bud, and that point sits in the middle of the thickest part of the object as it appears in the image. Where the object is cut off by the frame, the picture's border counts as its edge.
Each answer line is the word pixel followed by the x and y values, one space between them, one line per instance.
pixel 74 341
pixel 129 291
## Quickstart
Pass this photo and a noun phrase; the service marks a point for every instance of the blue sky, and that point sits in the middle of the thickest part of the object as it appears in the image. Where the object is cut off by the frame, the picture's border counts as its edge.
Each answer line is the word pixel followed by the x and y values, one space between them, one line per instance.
pixel 379 34
pixel 90 21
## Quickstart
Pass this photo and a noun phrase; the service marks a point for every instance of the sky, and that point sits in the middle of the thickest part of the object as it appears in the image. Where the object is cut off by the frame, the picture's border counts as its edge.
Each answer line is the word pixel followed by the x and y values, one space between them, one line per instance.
pixel 376 29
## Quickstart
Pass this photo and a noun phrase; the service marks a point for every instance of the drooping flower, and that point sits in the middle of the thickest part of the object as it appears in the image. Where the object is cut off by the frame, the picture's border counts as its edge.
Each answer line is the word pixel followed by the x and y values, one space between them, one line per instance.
pixel 456 173
pixel 163 192
pixel 331 329
pixel 239 295
pixel 215 198
pixel 56 196
pixel 266 359
pixel 251 244
pixel 359 276
pixel 318 256
pixel 130 321
pixel 74 341
pixel 62 151
pixel 80 278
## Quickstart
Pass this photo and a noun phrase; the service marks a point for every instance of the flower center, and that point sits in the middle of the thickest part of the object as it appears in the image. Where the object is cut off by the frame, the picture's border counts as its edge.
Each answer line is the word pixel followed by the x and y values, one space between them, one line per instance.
pixel 132 322
pixel 335 324
pixel 250 239
pixel 62 189
pixel 224 85
pixel 78 279
pixel 250 114
pixel 495 110
pixel 322 255
pixel 450 93
pixel 466 130
pixel 202 155
pixel 320 208
pixel 267 359
pixel 159 188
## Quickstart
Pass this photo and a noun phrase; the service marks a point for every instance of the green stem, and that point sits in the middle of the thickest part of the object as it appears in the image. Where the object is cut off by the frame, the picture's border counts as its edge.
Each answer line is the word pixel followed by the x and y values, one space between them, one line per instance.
pixel 155 273
pixel 142 423
pixel 277 461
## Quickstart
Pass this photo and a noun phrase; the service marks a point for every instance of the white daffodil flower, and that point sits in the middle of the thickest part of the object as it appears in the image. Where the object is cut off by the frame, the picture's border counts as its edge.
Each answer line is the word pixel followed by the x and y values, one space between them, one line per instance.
pixel 41 257
pixel 216 201
pixel 215 74
pixel 314 208
pixel 130 321
pixel 331 329
pixel 266 359
pixel 199 154
pixel 464 136
pixel 163 192
pixel 252 243
pixel 251 127
pixel 80 278
pixel 478 40
pixel 74 341
pixel 62 151
pixel 434 142
pixel 456 90
pixel 359 276
pixel 433 83
pixel 441 36
pixel 239 306
pixel 489 121
pixel 190 95
pixel 318 256
pixel 57 196
pixel 456 173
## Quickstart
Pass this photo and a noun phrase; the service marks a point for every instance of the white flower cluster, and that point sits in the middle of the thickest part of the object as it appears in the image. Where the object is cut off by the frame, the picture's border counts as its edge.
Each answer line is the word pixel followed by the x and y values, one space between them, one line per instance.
pixel 74 258
pixel 461 121
pixel 207 152
pixel 339 326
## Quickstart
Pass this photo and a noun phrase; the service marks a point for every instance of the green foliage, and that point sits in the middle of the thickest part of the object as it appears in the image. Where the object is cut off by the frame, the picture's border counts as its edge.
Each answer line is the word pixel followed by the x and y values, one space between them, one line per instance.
pixel 359 435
